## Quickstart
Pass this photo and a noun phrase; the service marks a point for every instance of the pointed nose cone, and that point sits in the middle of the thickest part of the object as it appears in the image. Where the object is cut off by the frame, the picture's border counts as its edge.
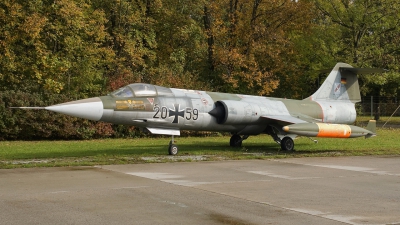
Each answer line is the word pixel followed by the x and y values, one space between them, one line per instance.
pixel 90 108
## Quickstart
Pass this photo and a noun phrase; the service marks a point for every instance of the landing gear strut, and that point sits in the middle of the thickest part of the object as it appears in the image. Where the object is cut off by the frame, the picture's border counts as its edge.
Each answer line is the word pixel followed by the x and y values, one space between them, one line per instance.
pixel 236 140
pixel 286 142
pixel 172 148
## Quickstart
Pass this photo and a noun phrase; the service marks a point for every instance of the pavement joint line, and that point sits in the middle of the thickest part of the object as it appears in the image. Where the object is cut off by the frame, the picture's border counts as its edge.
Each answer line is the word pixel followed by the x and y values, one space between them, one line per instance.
pixel 345 219
pixel 138 187
pixel 308 213
pixel 58 192
pixel 347 168
pixel 231 196
pixel 269 204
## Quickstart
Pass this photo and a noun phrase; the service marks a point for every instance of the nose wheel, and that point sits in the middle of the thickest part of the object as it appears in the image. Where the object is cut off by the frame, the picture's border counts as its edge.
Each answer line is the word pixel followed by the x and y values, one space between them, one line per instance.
pixel 172 148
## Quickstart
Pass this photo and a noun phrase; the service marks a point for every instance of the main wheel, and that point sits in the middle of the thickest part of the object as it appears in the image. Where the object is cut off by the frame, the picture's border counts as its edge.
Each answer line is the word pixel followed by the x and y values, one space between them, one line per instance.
pixel 236 141
pixel 173 149
pixel 287 144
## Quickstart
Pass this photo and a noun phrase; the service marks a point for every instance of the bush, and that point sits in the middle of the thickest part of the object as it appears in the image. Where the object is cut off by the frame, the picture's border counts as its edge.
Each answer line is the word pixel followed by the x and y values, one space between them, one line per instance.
pixel 33 124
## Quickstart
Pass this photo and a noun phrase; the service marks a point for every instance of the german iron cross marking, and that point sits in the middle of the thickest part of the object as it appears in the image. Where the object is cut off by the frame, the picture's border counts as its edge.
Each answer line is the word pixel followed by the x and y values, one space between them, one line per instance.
pixel 176 112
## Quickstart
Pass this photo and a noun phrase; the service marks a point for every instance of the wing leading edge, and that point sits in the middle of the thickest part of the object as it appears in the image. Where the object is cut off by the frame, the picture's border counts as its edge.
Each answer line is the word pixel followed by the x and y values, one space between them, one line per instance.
pixel 285 119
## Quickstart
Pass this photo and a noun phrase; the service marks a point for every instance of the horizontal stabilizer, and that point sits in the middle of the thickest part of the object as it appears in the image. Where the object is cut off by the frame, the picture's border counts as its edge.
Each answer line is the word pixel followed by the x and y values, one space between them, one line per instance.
pixel 362 70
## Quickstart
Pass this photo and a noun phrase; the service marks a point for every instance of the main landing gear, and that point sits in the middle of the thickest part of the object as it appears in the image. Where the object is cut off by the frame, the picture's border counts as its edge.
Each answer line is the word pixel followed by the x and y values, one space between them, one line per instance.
pixel 172 148
pixel 287 144
pixel 236 140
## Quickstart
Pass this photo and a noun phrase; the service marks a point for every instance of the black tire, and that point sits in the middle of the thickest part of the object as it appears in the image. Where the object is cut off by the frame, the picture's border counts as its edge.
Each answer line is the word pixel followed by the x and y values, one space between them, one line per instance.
pixel 287 144
pixel 236 141
pixel 173 149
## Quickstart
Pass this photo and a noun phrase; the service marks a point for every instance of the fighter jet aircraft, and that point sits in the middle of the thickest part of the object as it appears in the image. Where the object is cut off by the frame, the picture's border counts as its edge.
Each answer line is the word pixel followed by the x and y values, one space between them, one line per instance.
pixel 160 110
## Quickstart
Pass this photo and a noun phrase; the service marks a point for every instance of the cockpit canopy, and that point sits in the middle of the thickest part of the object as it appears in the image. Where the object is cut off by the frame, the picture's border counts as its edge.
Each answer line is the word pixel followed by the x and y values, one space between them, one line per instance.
pixel 141 90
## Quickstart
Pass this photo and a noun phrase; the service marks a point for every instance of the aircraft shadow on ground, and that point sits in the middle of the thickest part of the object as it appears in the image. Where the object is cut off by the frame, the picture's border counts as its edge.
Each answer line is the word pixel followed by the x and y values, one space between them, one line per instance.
pixel 199 147
pixel 271 148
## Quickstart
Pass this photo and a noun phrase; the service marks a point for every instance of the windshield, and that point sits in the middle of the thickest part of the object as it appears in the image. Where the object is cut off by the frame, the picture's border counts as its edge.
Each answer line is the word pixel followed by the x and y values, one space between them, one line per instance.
pixel 143 90
pixel 135 90
pixel 123 92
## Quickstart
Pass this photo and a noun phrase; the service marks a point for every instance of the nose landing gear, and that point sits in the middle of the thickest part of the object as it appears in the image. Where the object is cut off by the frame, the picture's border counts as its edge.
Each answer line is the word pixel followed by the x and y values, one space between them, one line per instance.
pixel 172 148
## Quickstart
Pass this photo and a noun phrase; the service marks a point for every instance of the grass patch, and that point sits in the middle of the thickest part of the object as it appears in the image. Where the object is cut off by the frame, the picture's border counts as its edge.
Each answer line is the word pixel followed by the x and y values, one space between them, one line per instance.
pixel 14 154
pixel 388 121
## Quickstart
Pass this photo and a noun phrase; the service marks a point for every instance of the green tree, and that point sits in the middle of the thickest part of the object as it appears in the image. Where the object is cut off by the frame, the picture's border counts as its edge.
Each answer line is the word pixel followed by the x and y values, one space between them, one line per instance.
pixel 75 36
pixel 53 46
pixel 180 44
pixel 250 42
pixel 364 33
pixel 131 36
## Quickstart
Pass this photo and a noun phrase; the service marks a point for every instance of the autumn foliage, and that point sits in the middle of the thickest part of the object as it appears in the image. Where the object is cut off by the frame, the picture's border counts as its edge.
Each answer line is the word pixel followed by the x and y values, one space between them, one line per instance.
pixel 57 50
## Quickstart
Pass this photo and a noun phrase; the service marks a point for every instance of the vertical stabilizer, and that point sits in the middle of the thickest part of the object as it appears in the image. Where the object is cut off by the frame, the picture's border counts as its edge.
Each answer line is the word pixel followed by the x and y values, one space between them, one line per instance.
pixel 341 84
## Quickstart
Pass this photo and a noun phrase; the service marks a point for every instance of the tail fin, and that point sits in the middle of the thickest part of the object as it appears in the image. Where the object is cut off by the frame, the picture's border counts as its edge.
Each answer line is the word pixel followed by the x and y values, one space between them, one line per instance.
pixel 342 84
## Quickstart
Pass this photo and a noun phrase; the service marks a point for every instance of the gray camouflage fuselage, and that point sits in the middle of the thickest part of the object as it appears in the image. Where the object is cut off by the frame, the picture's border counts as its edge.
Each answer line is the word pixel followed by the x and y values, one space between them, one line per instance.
pixel 162 110
pixel 246 115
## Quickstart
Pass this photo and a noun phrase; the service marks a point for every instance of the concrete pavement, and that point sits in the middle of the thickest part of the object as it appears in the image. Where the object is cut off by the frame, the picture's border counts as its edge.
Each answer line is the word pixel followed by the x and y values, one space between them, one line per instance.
pixel 350 190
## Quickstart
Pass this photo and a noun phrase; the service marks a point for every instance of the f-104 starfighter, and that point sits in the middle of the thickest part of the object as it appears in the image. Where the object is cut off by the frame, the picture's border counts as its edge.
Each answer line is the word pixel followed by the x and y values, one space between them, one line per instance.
pixel 329 112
